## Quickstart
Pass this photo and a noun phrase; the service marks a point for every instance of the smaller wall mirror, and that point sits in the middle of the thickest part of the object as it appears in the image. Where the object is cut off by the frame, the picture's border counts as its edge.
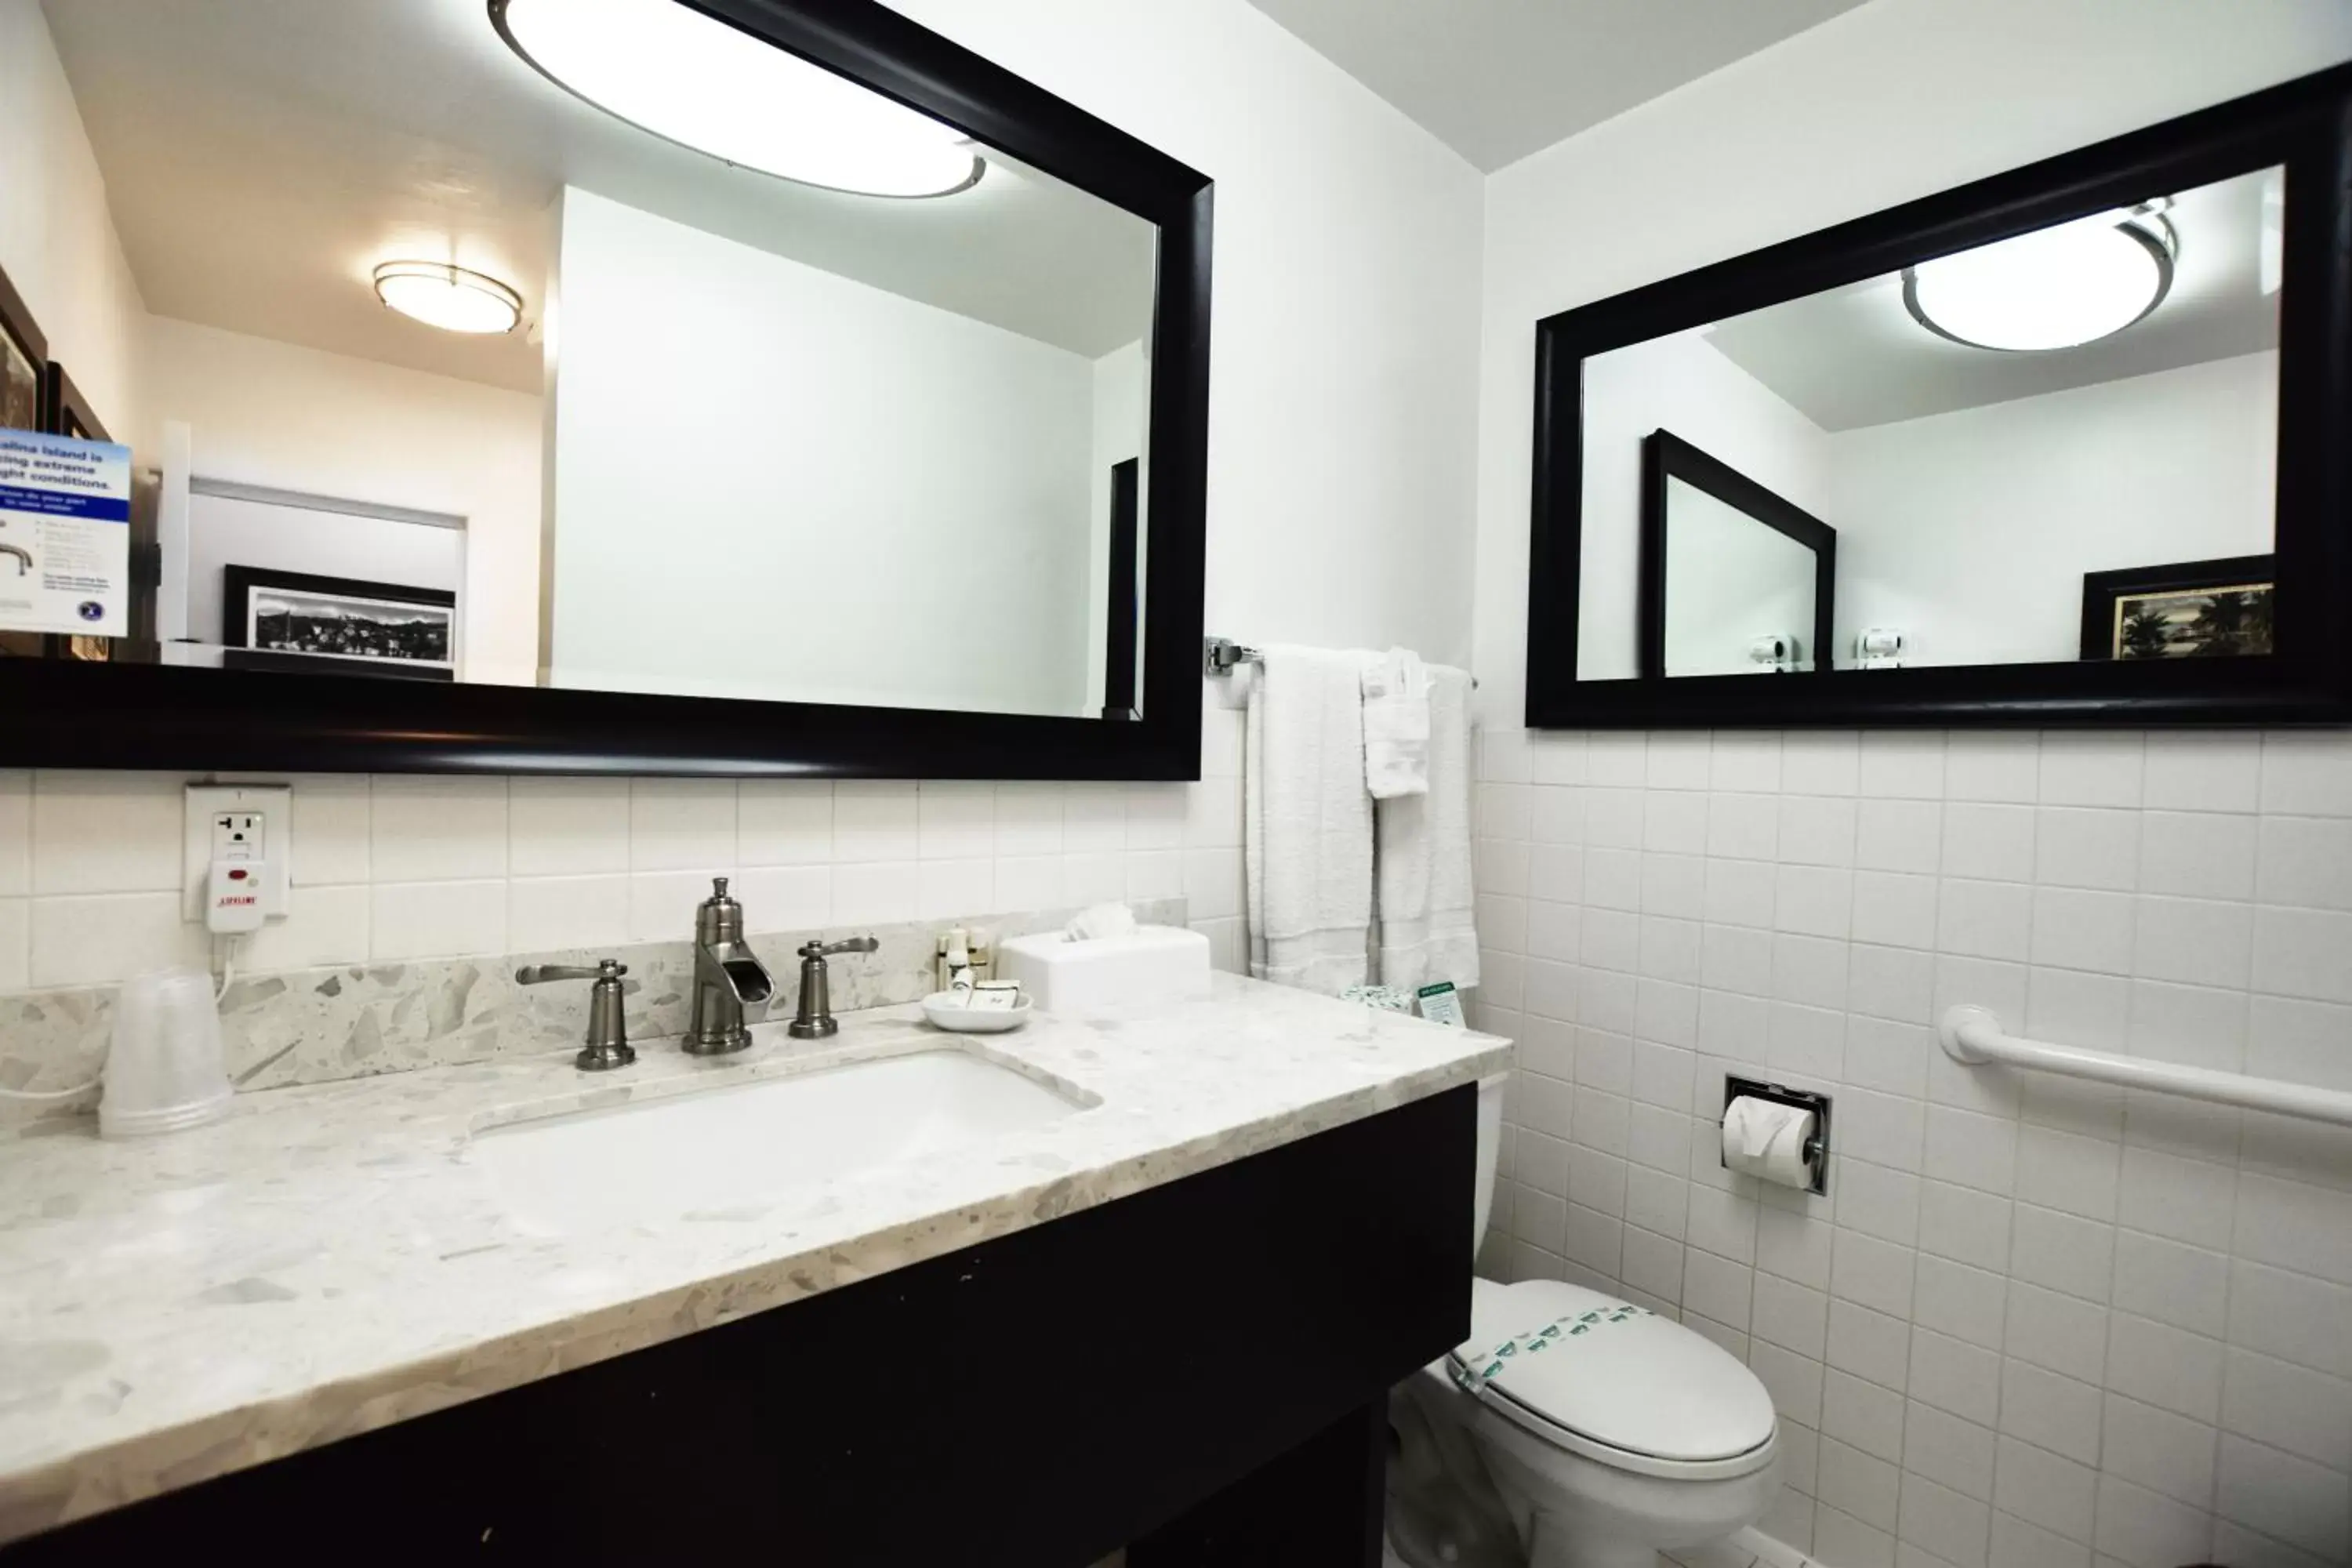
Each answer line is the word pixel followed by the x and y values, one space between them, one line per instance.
pixel 2065 442
pixel 1736 580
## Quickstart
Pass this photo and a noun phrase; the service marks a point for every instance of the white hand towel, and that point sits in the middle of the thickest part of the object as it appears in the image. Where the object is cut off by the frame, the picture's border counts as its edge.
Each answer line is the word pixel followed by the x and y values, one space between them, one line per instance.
pixel 1307 828
pixel 1427 929
pixel 1396 725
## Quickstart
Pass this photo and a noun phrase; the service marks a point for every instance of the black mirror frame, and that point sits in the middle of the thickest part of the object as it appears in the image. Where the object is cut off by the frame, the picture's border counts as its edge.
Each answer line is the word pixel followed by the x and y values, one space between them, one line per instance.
pixel 66 714
pixel 2305 125
pixel 1666 456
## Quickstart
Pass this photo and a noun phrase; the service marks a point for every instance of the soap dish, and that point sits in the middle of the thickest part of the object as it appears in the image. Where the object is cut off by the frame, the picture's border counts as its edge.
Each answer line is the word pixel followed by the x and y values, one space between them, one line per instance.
pixel 946 1009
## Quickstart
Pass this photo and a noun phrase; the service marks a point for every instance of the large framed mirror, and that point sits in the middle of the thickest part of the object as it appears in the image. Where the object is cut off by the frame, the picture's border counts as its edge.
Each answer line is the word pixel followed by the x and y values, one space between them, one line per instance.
pixel 734 386
pixel 2065 445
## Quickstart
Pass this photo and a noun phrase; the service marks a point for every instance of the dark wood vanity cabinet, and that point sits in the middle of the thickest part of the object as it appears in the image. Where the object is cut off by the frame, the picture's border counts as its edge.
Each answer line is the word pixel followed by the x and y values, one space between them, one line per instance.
pixel 1197 1373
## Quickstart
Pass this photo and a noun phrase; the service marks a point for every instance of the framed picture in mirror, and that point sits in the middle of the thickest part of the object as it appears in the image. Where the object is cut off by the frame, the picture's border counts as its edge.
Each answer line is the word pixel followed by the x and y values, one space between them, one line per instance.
pixel 23 361
pixel 2193 609
pixel 934 508
pixel 2063 444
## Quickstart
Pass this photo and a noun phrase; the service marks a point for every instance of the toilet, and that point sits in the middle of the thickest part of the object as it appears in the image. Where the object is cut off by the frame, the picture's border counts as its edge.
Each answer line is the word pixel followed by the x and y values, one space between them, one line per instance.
pixel 1603 1433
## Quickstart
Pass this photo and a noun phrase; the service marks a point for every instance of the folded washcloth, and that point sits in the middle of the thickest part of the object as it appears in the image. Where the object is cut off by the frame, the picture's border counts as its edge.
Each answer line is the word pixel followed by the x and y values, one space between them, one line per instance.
pixel 1396 725
pixel 1307 828
pixel 1427 929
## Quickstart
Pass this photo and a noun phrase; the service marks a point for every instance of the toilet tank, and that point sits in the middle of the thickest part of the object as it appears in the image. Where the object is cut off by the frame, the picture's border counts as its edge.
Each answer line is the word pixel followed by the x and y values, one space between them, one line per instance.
pixel 1490 1148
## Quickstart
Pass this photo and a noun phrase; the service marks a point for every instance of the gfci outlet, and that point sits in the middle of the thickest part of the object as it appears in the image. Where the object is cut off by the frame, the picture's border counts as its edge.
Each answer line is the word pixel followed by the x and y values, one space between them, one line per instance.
pixel 246 827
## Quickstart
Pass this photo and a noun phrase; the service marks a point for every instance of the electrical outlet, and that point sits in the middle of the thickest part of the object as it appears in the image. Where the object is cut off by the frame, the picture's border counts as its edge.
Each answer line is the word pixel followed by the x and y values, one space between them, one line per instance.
pixel 251 823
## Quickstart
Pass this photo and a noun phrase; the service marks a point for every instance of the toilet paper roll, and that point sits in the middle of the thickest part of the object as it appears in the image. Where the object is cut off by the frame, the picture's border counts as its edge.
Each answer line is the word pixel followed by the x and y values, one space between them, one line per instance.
pixel 1768 1140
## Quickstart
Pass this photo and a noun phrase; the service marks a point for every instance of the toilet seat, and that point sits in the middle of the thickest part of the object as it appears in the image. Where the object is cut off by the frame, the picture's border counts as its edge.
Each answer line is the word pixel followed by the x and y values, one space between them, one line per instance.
pixel 1612 1383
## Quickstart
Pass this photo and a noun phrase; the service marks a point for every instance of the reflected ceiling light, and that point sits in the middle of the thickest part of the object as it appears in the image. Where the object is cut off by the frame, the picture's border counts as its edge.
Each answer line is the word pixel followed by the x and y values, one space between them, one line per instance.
pixel 2053 288
pixel 454 299
pixel 696 81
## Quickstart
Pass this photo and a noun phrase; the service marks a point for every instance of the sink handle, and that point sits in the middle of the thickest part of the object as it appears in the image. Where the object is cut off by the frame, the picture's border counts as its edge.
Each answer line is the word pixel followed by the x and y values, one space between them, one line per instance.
pixel 607 1045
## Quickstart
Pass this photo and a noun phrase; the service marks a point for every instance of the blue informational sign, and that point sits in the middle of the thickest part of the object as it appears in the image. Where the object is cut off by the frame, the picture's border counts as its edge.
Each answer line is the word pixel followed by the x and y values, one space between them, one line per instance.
pixel 64 535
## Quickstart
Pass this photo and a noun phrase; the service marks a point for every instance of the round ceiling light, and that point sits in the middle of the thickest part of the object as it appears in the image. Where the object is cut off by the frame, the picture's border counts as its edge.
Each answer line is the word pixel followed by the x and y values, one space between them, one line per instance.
pixel 2053 289
pixel 689 79
pixel 454 299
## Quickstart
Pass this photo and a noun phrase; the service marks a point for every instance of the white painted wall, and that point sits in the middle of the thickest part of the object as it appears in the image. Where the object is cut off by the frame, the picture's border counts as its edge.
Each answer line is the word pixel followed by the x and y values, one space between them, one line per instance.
pixel 1341 428
pixel 57 243
pixel 772 481
pixel 293 419
pixel 1887 102
pixel 1971 530
pixel 1682 384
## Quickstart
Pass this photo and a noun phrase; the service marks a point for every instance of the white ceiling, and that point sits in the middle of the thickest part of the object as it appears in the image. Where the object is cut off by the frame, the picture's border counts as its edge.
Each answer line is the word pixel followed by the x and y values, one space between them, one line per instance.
pixel 1853 357
pixel 261 156
pixel 1498 80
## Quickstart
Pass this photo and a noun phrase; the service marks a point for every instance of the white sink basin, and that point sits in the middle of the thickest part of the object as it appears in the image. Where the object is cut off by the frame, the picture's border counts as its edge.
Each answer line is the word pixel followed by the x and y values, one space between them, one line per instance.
pixel 723 1154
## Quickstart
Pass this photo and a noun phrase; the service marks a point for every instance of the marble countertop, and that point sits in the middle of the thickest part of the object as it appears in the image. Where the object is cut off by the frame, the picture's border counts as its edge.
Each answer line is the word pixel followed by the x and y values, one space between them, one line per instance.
pixel 328 1260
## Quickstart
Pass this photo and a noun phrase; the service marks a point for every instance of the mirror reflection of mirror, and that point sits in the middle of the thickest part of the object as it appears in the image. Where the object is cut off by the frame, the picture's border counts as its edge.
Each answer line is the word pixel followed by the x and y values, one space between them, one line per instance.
pixel 1746 578
pixel 2058 446
pixel 466 344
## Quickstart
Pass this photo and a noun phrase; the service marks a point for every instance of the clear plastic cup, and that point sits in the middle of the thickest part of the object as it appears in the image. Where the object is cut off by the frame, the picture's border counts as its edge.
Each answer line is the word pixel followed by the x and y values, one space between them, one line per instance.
pixel 163 1069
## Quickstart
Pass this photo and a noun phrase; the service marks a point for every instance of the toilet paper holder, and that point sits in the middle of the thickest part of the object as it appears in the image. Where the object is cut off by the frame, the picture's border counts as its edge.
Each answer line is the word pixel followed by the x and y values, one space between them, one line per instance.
pixel 1817 1148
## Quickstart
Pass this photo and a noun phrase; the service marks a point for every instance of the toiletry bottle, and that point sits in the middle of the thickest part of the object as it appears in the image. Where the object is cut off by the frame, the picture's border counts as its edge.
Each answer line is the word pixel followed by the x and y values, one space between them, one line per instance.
pixel 958 964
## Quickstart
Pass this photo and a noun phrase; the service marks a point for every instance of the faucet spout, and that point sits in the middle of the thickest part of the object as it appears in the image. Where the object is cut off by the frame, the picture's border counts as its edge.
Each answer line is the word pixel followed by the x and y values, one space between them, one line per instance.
pixel 732 987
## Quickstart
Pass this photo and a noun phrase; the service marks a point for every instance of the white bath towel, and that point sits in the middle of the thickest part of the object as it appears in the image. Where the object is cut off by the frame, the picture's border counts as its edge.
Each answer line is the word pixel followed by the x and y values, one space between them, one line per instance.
pixel 1427 931
pixel 1307 822
pixel 1396 725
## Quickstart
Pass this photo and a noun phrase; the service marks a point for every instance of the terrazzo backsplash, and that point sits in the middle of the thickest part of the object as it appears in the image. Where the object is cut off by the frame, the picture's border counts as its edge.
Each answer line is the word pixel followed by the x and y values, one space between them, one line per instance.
pixel 315 1025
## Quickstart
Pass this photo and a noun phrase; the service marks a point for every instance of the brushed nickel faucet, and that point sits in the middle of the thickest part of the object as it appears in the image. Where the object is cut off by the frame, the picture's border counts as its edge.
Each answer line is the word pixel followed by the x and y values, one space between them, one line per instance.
pixel 608 1032
pixel 732 987
pixel 814 1019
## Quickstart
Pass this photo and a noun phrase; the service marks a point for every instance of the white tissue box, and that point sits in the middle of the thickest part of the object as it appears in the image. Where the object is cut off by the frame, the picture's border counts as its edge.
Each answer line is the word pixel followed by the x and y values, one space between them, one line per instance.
pixel 1150 963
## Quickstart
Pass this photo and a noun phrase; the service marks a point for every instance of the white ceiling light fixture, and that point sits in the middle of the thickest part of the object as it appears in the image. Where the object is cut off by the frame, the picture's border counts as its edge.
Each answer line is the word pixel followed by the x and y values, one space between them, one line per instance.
pixel 454 299
pixel 2054 289
pixel 692 80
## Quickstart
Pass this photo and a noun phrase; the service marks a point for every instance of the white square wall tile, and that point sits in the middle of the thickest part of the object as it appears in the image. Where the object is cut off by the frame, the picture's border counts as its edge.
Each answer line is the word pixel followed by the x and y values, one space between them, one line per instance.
pixel 1955 1377
pixel 2308 774
pixel 789 897
pixel 549 913
pixel 879 822
pixel 16 832
pixel 1899 836
pixel 323 925
pixel 437 919
pixel 2188 770
pixel 1745 760
pixel 957 819
pixel 107 832
pixel 427 828
pixel 662 904
pixel 2080 769
pixel 2284 1497
pixel 98 938
pixel 331 830
pixel 1872 1345
pixel 2159 1450
pixel 875 893
pixel 1991 766
pixel 2073 929
pixel 2076 847
pixel 946 888
pixel 2184 1286
pixel 2062 1252
pixel 2294 1224
pixel 15 944
pixel 2054 1413
pixel 1902 764
pixel 558 827
pixel 2198 941
pixel 2201 854
pixel 1954 1454
pixel 1036 882
pixel 2066 1172
pixel 2164 1366
pixel 1984 920
pixel 2303 952
pixel 2288 1407
pixel 1821 762
pixel 783 822
pixel 1988 842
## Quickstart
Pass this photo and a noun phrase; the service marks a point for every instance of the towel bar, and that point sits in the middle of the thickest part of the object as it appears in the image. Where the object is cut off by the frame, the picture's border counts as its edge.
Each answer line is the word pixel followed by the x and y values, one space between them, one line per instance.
pixel 1973 1035
pixel 1219 656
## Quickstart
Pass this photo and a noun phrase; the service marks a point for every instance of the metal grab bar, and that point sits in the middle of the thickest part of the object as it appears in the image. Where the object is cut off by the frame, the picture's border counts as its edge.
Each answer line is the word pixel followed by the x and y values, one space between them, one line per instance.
pixel 1973 1035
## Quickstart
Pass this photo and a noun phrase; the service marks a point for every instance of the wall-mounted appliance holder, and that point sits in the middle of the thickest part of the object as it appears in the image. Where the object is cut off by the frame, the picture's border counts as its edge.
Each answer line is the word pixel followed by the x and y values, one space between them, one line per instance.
pixel 1817 1148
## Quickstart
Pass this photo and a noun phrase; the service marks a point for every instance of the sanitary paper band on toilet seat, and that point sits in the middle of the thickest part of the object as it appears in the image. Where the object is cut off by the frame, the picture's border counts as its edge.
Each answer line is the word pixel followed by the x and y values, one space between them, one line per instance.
pixel 1474 1374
